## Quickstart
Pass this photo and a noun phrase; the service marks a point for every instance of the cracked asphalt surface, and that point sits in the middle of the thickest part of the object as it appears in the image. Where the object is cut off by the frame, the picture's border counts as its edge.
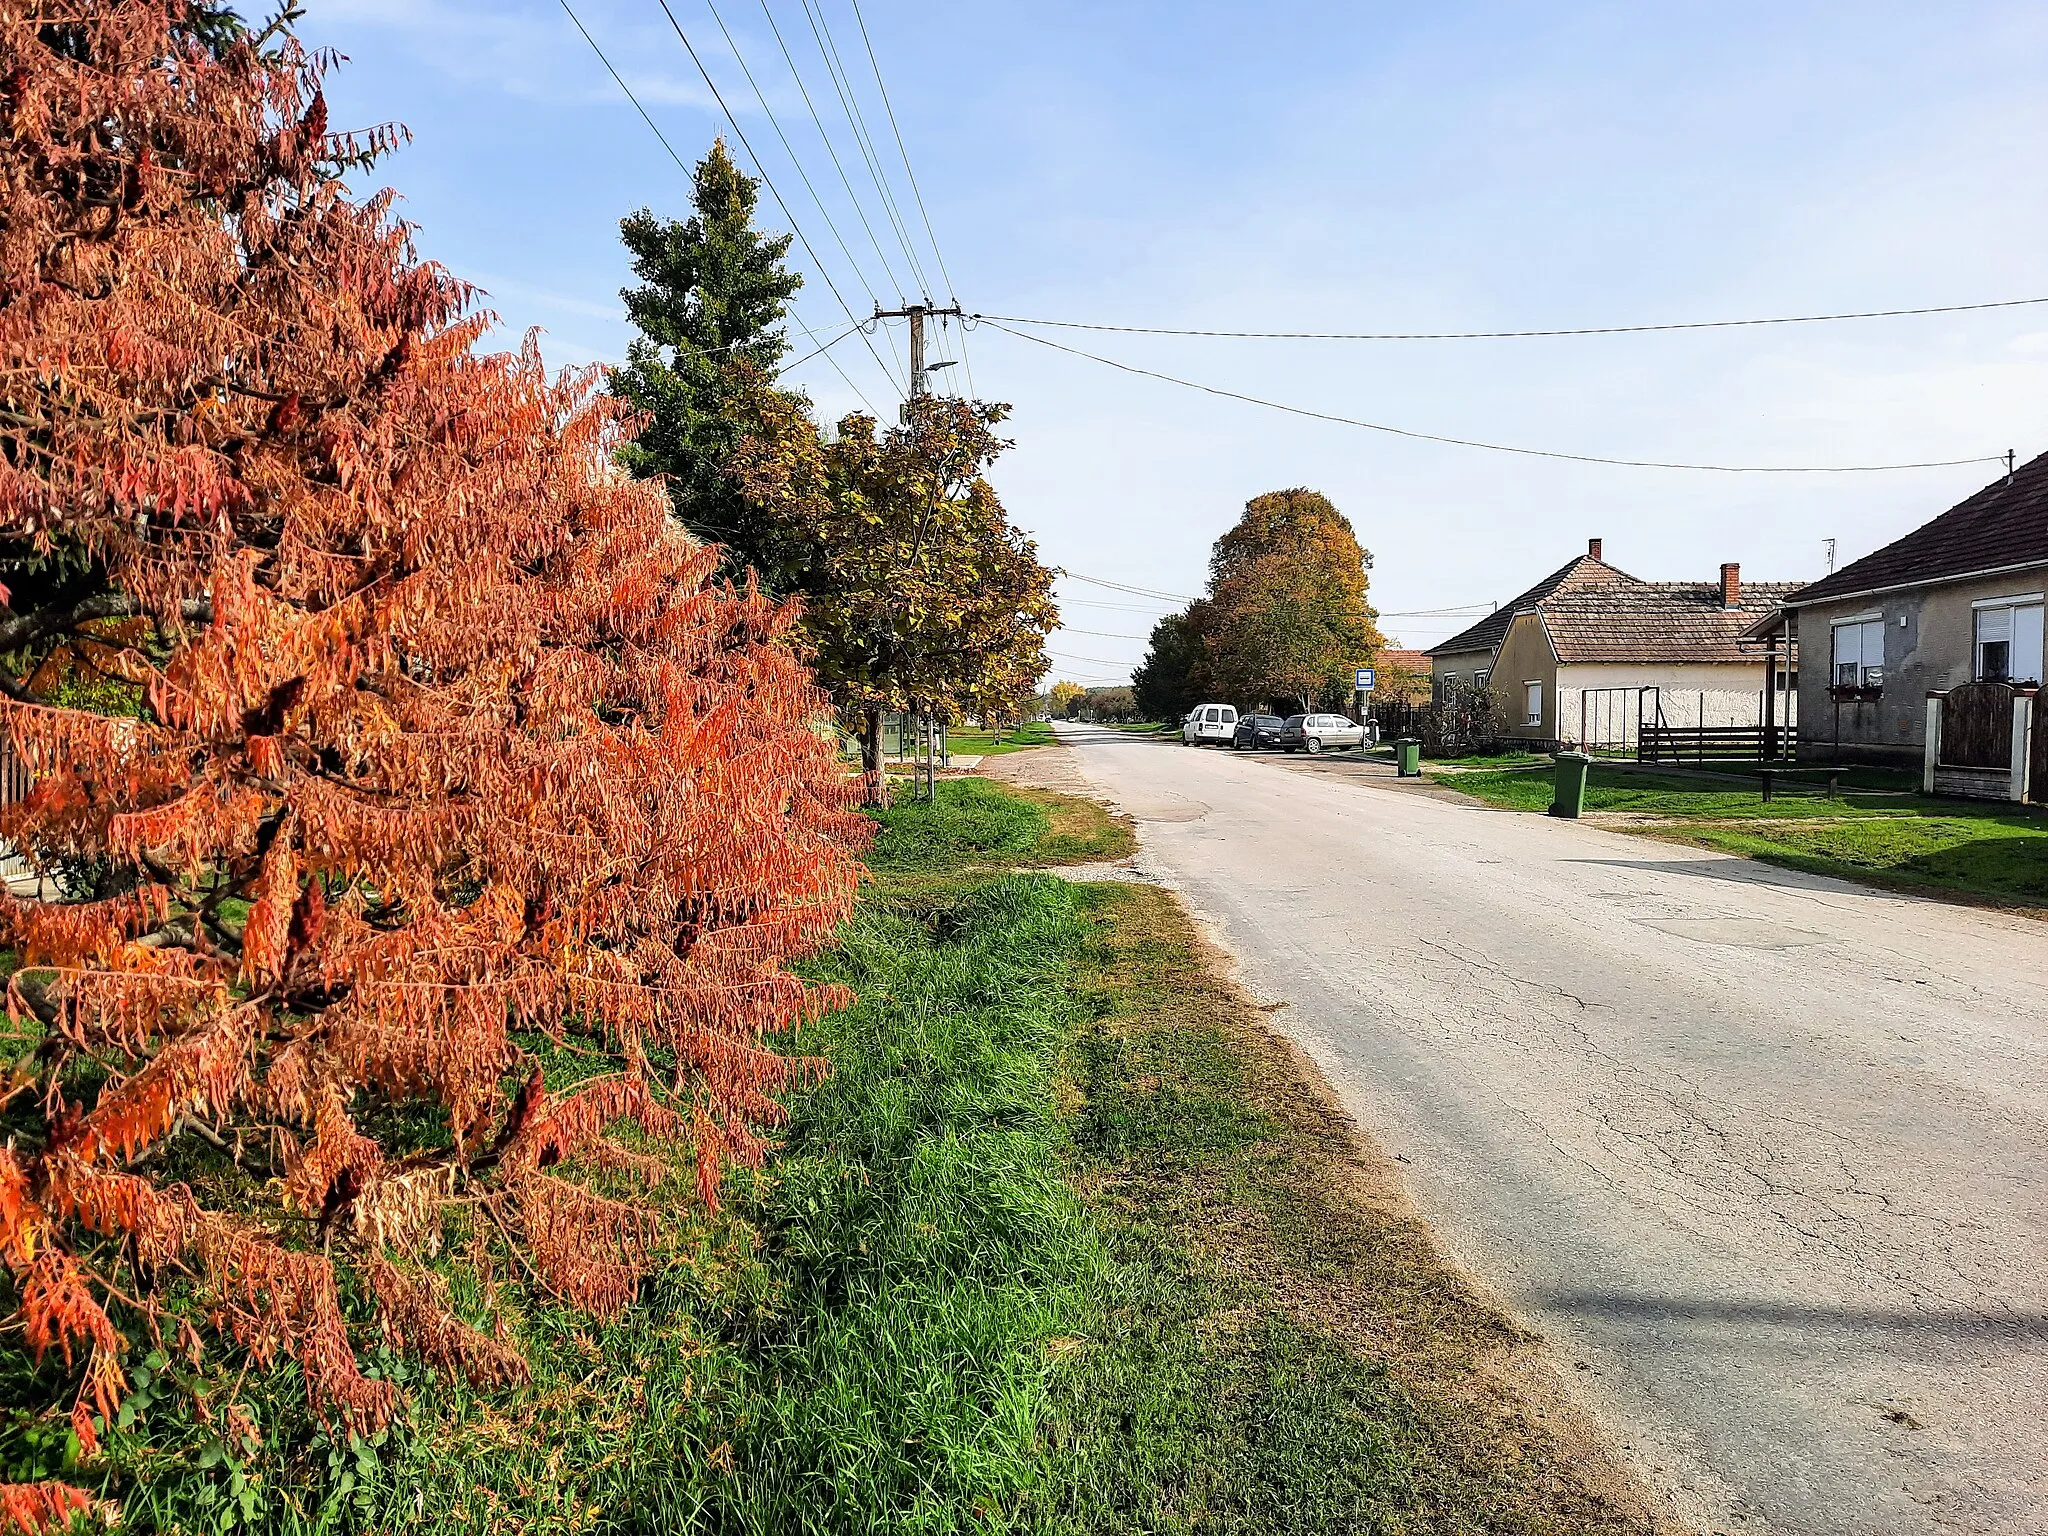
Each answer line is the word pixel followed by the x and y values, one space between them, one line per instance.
pixel 1762 1154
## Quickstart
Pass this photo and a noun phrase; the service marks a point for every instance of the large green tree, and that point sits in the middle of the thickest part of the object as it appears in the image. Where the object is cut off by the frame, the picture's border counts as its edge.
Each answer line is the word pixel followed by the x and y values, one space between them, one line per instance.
pixel 1287 587
pixel 1174 676
pixel 918 590
pixel 710 307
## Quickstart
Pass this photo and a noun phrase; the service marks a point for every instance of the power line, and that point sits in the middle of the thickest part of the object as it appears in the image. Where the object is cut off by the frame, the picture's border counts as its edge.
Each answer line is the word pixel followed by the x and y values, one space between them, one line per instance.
pixel 1589 330
pixel 1118 586
pixel 1100 634
pixel 819 123
pixel 915 190
pixel 1099 661
pixel 820 352
pixel 619 81
pixel 1466 442
pixel 842 81
pixel 1149 611
pixel 769 112
pixel 802 175
pixel 762 166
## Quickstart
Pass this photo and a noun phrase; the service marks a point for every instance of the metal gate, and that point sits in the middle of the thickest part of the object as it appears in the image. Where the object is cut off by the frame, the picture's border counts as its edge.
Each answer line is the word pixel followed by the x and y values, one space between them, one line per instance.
pixel 1611 719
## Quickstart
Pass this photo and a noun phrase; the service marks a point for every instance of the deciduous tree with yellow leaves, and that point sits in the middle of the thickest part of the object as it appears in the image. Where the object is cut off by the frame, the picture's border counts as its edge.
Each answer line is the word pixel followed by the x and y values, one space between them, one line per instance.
pixel 1288 615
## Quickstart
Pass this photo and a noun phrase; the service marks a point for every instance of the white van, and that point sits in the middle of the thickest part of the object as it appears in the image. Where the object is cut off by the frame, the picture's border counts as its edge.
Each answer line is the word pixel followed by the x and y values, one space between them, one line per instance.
pixel 1209 722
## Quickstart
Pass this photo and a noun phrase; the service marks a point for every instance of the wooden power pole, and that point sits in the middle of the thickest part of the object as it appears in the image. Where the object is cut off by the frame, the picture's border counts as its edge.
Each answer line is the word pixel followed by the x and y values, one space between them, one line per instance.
pixel 917 314
pixel 926 749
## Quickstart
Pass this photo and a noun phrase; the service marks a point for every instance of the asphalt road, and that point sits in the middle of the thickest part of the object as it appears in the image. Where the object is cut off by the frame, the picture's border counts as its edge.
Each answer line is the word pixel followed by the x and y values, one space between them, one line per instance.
pixel 1764 1155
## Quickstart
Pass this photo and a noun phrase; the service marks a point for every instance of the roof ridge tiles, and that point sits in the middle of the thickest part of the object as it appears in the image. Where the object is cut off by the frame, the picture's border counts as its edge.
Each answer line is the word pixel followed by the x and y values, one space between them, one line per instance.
pixel 2002 526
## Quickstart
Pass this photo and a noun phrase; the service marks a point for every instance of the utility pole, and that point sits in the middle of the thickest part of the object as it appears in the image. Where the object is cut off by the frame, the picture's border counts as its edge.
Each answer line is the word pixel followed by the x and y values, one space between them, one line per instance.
pixel 926 751
pixel 917 314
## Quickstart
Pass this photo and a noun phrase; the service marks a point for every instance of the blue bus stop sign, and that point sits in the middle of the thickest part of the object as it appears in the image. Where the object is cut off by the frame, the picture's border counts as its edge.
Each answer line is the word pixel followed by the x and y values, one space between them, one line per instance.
pixel 1365 678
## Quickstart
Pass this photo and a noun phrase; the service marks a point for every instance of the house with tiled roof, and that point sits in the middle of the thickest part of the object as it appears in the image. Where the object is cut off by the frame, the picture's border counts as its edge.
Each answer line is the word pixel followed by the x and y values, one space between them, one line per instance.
pixel 1590 654
pixel 1466 659
pixel 1403 676
pixel 1958 600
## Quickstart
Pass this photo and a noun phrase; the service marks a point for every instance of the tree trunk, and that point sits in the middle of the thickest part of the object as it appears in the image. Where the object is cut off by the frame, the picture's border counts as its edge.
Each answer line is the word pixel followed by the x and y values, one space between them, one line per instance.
pixel 875 781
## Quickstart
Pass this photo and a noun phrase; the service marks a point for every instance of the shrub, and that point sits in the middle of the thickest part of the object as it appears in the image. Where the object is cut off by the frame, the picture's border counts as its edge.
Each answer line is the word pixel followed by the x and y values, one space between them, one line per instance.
pixel 438 762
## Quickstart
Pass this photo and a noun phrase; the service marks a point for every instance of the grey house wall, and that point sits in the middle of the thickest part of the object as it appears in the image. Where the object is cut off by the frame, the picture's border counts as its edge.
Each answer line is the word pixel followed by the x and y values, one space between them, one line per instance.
pixel 1930 640
pixel 1462 666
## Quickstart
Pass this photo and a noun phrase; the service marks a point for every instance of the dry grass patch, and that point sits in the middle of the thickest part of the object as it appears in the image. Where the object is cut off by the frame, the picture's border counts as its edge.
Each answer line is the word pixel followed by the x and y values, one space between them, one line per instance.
pixel 1203 1132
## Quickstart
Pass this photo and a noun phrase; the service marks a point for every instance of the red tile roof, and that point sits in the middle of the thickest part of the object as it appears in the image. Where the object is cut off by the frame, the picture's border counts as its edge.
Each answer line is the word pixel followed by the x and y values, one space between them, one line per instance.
pixel 1663 623
pixel 2001 527
pixel 1581 574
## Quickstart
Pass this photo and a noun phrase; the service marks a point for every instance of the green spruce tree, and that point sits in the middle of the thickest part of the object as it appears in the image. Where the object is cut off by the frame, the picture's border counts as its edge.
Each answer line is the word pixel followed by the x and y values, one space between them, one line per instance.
pixel 712 297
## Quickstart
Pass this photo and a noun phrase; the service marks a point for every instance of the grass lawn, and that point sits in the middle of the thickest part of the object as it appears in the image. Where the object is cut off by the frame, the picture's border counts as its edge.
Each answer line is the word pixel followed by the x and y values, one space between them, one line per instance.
pixel 1065 1242
pixel 2002 857
pixel 1033 733
pixel 1985 849
pixel 1492 760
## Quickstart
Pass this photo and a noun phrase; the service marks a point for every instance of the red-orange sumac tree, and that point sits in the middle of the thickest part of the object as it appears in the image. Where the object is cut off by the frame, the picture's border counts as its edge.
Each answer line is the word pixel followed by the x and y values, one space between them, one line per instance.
pixel 441 758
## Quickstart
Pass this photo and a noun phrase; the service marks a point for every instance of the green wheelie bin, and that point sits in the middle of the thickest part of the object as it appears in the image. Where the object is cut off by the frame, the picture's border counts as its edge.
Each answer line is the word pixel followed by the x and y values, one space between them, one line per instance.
pixel 1569 798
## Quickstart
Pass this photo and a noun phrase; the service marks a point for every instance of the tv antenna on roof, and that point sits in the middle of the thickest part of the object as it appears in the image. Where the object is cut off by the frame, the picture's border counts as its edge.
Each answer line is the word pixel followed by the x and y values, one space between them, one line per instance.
pixel 1829 544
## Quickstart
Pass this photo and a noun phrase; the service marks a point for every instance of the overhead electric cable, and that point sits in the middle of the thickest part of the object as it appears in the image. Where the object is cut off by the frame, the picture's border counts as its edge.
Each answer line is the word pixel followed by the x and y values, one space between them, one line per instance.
pixel 1100 634
pixel 1151 611
pixel 915 190
pixel 618 80
pixel 1467 442
pixel 1098 661
pixel 819 123
pixel 1588 330
pixel 761 166
pixel 820 351
pixel 1118 586
pixel 802 175
pixel 842 81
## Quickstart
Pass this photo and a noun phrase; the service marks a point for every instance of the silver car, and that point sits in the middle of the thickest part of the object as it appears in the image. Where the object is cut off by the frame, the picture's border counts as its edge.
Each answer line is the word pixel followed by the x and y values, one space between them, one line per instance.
pixel 1323 733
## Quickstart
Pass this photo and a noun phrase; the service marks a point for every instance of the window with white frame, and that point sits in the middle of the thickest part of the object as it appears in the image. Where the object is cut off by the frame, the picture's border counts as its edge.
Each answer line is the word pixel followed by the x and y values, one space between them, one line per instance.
pixel 1532 699
pixel 1478 679
pixel 1859 651
pixel 2009 640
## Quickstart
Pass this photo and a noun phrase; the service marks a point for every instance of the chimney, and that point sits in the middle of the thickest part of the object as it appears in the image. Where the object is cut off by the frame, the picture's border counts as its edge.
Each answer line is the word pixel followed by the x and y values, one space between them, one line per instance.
pixel 1731 584
pixel 1593 548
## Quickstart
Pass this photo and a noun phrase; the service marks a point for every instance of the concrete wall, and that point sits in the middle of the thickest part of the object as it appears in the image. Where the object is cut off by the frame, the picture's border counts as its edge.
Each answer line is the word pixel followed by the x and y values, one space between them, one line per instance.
pixel 1526 657
pixel 1933 648
pixel 1719 694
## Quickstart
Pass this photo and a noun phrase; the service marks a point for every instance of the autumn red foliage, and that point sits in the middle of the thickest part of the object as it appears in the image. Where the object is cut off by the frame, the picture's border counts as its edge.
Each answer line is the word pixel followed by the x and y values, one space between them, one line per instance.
pixel 444 761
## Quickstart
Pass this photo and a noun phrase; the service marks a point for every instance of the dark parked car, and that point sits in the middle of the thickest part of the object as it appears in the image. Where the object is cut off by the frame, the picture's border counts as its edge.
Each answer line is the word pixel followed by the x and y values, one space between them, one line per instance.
pixel 1256 731
pixel 1314 733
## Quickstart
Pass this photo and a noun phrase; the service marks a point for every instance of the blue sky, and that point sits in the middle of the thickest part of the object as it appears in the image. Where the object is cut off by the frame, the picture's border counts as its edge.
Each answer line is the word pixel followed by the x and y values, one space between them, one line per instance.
pixel 1329 167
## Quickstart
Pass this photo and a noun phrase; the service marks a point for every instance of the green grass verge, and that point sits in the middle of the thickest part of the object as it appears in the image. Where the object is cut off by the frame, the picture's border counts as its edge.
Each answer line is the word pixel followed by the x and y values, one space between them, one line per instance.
pixel 1033 733
pixel 1982 849
pixel 1652 793
pixel 1493 760
pixel 980 822
pixel 1065 1242
pixel 1998 857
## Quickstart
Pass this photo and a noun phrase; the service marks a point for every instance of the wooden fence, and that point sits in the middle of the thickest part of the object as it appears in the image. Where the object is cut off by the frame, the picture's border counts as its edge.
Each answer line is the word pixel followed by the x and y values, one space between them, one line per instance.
pixel 1698 744
pixel 1976 726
